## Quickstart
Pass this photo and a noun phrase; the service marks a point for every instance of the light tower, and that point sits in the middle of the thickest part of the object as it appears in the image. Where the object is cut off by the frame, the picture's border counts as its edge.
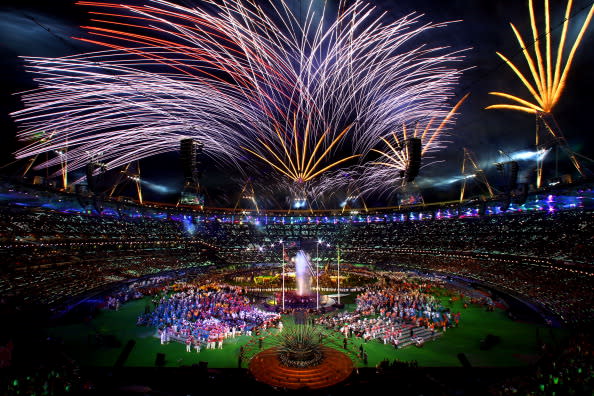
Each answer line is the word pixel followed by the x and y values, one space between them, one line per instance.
pixel 248 194
pixel 471 171
pixel 318 274
pixel 283 287
pixel 338 279
pixel 549 136
pixel 129 173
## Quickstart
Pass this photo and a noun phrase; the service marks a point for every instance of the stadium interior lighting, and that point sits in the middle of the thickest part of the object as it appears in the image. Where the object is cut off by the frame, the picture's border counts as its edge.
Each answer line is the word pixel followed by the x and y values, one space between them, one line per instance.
pixel 529 155
pixel 299 203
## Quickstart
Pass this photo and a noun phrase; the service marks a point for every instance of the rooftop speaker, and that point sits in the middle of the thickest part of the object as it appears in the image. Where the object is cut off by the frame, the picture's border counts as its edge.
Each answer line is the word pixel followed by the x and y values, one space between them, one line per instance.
pixel 413 147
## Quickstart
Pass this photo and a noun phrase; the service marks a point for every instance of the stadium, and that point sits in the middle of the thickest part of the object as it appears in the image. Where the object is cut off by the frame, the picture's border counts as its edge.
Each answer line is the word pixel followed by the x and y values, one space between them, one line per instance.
pixel 320 197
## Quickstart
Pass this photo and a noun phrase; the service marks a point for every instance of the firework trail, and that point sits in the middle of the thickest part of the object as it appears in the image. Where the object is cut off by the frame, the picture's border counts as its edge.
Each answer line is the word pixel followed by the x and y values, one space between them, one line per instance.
pixel 548 72
pixel 386 174
pixel 261 85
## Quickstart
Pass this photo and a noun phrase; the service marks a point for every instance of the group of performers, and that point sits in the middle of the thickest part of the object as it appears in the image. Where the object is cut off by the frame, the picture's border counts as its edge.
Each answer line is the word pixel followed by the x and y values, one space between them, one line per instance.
pixel 391 314
pixel 408 303
pixel 205 316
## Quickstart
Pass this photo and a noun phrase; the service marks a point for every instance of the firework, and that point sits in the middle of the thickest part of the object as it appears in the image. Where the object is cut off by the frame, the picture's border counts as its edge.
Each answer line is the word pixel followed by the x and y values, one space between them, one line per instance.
pixel 397 158
pixel 382 175
pixel 257 84
pixel 548 80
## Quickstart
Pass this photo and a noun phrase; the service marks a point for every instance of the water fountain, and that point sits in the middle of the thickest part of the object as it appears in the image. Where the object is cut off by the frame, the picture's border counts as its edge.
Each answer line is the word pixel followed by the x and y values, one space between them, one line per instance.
pixel 302 274
pixel 302 297
pixel 300 359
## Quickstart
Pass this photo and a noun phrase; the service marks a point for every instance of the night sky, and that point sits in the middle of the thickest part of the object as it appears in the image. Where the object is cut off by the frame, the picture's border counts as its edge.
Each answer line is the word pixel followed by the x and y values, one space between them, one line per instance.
pixel 45 29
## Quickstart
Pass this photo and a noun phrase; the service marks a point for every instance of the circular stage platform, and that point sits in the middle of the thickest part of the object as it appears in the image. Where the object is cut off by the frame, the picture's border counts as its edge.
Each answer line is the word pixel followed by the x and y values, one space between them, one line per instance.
pixel 334 368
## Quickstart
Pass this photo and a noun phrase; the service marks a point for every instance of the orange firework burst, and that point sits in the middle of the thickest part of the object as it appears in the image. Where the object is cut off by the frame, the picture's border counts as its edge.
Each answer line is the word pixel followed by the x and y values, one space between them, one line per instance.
pixel 292 156
pixel 548 79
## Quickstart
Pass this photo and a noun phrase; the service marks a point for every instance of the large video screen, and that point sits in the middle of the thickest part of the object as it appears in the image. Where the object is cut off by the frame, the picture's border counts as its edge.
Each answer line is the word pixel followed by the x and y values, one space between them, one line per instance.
pixel 188 198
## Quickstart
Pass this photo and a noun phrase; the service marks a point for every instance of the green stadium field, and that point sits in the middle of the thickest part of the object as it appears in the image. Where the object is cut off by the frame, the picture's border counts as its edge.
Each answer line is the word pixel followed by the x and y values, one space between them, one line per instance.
pixel 518 346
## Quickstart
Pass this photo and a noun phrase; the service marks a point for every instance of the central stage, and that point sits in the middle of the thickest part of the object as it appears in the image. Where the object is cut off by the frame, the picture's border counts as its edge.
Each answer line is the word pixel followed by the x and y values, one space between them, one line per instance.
pixel 295 301
pixel 334 368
